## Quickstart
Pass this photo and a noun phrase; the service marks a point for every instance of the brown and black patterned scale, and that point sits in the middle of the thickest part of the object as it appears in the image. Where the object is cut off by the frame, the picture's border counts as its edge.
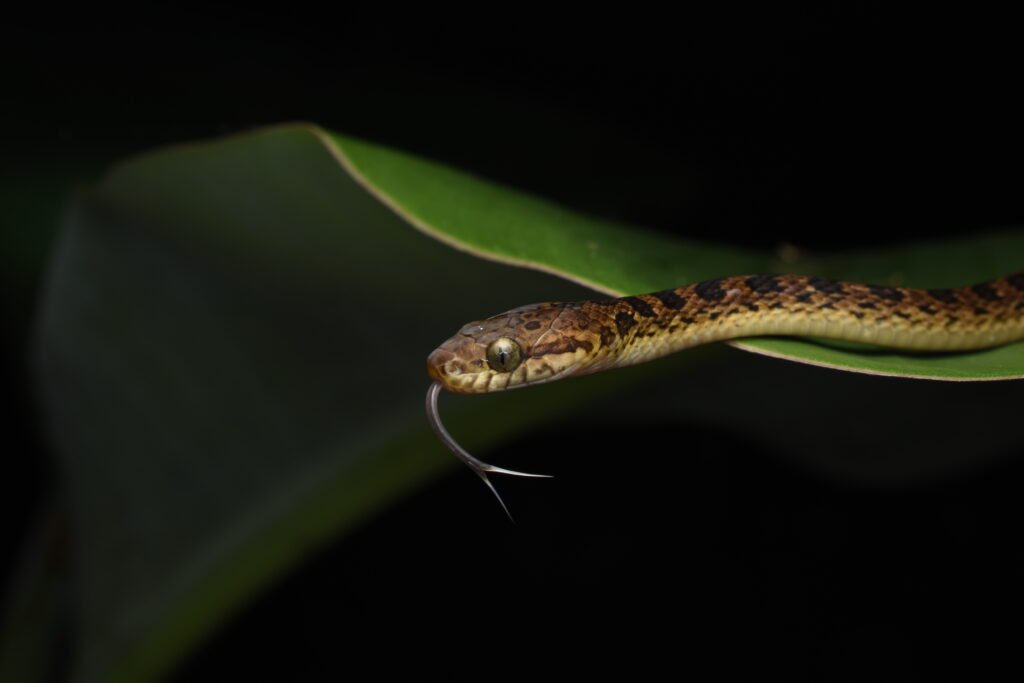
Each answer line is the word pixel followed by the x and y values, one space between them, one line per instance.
pixel 566 339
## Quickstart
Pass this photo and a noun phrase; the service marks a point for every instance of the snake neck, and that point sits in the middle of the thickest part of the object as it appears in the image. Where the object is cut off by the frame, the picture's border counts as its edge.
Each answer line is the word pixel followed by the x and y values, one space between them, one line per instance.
pixel 635 329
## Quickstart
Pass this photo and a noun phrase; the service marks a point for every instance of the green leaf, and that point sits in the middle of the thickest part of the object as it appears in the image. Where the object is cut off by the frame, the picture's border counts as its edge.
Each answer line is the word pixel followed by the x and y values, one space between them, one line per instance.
pixel 231 344
pixel 510 227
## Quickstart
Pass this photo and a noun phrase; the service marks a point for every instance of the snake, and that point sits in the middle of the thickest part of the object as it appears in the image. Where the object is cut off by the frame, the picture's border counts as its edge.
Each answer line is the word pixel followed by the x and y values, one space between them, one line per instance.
pixel 552 341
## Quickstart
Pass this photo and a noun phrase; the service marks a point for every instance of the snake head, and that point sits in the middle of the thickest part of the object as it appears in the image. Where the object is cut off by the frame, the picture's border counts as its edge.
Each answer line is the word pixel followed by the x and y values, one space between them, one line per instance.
pixel 524 346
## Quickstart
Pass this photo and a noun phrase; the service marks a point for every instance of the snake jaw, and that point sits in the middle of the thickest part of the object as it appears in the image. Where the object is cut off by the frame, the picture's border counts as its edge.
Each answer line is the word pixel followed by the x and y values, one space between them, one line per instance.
pixel 480 467
pixel 436 364
pixel 459 366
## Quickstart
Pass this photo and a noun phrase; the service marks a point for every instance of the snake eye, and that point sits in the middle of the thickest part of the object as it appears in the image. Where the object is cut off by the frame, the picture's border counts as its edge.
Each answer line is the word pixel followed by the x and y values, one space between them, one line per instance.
pixel 504 355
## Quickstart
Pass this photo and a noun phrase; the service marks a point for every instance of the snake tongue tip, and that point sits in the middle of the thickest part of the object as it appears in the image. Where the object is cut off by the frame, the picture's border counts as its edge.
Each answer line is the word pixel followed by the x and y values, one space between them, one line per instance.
pixel 487 481
pixel 501 470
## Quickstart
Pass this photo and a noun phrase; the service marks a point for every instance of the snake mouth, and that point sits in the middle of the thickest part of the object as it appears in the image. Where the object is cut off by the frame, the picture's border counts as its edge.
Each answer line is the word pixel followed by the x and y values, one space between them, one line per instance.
pixel 445 368
pixel 437 361
pixel 434 372
pixel 449 370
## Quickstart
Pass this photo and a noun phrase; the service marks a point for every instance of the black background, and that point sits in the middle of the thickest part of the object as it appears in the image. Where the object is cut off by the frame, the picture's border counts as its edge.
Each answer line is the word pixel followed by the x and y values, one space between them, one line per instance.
pixel 826 129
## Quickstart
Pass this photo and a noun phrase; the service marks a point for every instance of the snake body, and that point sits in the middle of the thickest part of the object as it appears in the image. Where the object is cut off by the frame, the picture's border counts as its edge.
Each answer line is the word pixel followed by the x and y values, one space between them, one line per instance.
pixel 551 341
pixel 546 342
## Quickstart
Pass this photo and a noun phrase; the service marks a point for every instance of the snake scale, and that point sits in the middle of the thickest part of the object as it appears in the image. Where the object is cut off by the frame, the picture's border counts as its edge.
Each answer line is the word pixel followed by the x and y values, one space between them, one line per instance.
pixel 550 341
